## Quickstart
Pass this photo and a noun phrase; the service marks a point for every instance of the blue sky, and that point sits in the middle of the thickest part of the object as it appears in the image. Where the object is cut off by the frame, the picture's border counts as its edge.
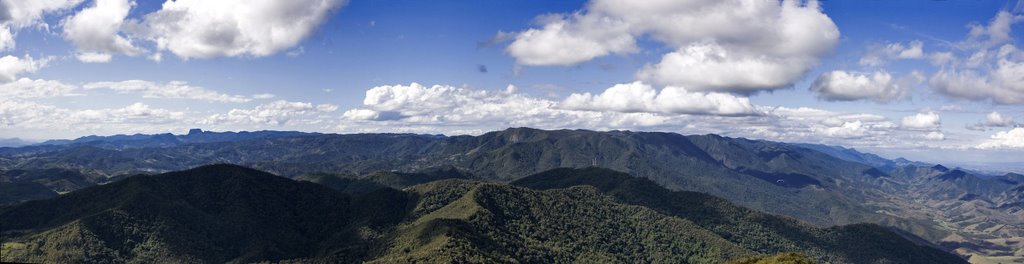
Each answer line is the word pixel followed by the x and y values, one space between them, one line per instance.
pixel 931 80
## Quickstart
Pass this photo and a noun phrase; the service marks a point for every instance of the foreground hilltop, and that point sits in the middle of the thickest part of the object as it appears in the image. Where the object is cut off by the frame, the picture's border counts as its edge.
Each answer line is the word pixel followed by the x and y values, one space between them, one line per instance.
pixel 226 213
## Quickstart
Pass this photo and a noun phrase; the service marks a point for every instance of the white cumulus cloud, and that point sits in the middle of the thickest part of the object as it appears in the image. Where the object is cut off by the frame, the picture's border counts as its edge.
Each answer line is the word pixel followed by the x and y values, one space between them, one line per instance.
pixel 17 15
pixel 997 32
pixel 207 29
pixel 30 13
pixel 447 104
pixel 11 66
pixel 772 43
pixel 275 113
pixel 95 31
pixel 361 114
pixel 573 39
pixel 712 67
pixel 6 38
pixel 922 121
pixel 986 66
pixel 1014 138
pixel 995 119
pixel 641 97
pixel 94 57
pixel 853 129
pixel 935 135
pixel 843 86
pixel 1004 84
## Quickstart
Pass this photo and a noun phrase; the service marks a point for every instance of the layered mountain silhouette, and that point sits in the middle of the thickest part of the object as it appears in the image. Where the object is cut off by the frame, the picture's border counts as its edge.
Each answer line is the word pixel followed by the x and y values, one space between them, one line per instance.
pixel 227 213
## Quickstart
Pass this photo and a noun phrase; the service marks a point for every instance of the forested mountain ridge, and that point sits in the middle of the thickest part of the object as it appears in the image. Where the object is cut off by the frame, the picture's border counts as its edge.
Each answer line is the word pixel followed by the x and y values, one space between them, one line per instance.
pixel 226 213
pixel 822 185
pixel 670 159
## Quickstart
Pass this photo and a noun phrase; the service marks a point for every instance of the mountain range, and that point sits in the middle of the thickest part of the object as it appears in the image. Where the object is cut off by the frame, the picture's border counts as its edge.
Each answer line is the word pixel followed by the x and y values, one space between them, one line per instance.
pixel 227 213
pixel 977 216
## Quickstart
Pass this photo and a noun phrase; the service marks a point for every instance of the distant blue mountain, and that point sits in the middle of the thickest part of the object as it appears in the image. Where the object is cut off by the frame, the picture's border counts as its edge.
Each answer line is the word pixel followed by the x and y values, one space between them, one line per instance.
pixel 851 154
pixel 169 140
pixel 14 142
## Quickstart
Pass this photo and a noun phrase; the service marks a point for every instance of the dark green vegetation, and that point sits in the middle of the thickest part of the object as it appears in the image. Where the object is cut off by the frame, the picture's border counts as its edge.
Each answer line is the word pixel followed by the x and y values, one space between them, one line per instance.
pixel 961 210
pixel 781 258
pixel 18 192
pixel 748 228
pixel 58 180
pixel 226 213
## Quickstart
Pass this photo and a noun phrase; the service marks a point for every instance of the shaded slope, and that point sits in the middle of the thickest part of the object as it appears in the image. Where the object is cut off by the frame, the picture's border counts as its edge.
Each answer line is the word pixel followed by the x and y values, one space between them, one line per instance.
pixel 343 183
pixel 399 180
pixel 56 179
pixel 18 192
pixel 216 213
pixel 751 229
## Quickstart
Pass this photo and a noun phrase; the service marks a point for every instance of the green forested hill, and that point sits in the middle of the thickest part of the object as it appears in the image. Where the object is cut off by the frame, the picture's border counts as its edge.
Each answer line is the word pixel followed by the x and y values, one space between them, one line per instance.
pixel 226 213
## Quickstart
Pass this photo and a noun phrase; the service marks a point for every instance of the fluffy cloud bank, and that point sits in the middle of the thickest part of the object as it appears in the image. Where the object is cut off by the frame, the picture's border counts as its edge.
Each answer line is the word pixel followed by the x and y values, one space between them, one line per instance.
pixel 731 46
pixel 173 90
pixel 1014 138
pixel 448 105
pixel 29 115
pixel 634 106
pixel 922 121
pixel 11 66
pixel 640 97
pixel 1001 85
pixel 993 120
pixel 275 113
